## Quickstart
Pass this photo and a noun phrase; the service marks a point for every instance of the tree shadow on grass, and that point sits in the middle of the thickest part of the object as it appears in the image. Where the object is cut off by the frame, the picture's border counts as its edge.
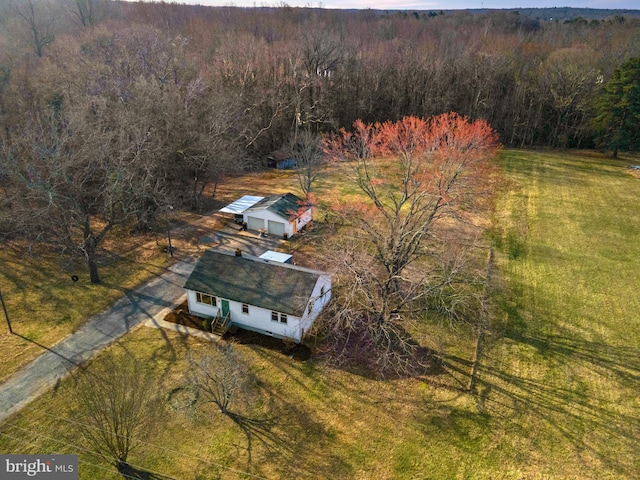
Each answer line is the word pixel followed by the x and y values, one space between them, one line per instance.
pixel 131 473
pixel 281 436
pixel 296 443
pixel 260 430
pixel 109 258
pixel 576 403
pixel 394 355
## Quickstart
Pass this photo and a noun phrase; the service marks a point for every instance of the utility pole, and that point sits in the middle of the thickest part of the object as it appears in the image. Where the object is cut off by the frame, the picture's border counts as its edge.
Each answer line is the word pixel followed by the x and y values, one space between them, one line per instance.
pixel 6 315
pixel 166 216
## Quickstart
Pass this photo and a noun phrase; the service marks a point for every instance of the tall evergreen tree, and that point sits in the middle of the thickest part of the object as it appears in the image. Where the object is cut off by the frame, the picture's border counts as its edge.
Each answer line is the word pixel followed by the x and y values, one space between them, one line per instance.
pixel 618 119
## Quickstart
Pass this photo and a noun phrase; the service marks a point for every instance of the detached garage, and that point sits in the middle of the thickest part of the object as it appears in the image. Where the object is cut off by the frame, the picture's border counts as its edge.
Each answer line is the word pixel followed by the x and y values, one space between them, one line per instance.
pixel 280 215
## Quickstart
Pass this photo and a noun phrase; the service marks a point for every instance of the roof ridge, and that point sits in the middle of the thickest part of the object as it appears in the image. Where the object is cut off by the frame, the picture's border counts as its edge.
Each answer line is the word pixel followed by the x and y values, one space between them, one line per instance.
pixel 248 256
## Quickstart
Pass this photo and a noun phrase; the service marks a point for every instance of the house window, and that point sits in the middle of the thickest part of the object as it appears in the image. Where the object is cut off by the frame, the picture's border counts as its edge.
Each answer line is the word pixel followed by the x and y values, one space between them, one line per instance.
pixel 275 316
pixel 206 299
pixel 245 308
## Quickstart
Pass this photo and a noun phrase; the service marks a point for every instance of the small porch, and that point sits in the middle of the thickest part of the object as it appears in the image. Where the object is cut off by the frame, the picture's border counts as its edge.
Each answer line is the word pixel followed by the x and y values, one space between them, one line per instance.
pixel 220 323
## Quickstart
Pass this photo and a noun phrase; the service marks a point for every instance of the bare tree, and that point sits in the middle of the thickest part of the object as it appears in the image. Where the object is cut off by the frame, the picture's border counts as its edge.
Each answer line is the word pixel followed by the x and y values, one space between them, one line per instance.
pixel 219 375
pixel 432 167
pixel 119 404
pixel 87 12
pixel 209 139
pixel 79 177
pixel 424 171
pixel 306 149
pixel 39 19
pixel 222 378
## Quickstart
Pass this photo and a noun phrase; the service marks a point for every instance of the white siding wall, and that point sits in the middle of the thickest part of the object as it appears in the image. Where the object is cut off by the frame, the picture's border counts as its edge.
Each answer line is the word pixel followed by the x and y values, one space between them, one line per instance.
pixel 268 215
pixel 258 319
pixel 317 302
pixel 304 219
pixel 200 308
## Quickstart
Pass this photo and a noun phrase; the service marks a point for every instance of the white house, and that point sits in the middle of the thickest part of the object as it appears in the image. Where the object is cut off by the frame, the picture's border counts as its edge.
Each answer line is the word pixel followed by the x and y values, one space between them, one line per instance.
pixel 283 215
pixel 271 298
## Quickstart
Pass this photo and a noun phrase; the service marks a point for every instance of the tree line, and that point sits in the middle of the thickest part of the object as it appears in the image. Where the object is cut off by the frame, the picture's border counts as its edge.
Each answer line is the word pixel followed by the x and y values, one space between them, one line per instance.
pixel 535 81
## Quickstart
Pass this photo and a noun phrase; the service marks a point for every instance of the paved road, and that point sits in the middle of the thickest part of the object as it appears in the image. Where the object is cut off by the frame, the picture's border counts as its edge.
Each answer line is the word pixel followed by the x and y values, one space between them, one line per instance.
pixel 135 307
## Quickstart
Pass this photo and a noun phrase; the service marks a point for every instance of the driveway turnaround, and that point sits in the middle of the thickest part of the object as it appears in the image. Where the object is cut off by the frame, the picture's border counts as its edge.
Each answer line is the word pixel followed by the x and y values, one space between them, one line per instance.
pixel 101 330
pixel 247 242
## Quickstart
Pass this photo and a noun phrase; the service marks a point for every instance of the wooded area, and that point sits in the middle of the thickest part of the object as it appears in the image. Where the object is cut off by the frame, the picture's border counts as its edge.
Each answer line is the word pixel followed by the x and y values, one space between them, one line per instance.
pixel 281 69
pixel 114 112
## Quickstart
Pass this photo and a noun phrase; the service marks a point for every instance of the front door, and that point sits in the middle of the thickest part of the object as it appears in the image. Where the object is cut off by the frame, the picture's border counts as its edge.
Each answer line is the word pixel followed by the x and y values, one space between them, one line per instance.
pixel 225 308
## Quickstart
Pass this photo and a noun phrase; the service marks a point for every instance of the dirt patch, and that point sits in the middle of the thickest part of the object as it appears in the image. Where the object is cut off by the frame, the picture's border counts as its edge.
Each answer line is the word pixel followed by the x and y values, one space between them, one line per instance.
pixel 295 351
pixel 299 352
pixel 181 316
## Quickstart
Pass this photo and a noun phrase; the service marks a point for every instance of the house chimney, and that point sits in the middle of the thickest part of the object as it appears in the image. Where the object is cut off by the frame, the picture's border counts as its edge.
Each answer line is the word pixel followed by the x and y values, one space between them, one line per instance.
pixel 238 252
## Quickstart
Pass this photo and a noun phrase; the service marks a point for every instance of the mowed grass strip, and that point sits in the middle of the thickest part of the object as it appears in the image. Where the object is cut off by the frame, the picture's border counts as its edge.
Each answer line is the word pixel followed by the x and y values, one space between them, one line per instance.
pixel 565 372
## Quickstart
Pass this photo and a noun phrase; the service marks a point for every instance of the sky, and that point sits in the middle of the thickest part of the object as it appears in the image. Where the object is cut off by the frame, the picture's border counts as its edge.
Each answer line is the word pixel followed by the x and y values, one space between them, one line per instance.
pixel 425 4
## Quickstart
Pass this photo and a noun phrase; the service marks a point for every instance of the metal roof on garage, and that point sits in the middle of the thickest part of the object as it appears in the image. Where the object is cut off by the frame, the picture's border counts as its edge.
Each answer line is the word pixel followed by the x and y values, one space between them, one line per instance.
pixel 283 205
pixel 241 204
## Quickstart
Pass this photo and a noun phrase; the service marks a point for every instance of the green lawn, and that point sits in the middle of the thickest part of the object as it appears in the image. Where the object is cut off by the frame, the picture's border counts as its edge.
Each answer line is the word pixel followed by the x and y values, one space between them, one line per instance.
pixel 562 374
pixel 558 380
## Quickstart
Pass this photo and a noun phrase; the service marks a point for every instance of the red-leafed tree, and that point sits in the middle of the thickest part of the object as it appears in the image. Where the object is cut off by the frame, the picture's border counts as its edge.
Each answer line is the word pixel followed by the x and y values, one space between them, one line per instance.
pixel 414 173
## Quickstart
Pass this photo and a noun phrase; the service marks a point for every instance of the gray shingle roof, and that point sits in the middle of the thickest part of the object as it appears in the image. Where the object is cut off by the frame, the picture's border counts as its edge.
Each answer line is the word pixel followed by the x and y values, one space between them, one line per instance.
pixel 283 205
pixel 279 287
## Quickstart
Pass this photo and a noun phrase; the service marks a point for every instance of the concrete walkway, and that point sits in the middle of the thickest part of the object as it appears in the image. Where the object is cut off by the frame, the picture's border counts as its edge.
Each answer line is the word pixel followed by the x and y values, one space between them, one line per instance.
pixel 151 300
pixel 174 327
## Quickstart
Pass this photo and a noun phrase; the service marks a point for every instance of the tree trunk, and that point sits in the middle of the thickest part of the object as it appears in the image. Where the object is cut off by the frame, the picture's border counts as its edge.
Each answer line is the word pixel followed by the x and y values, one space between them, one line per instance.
pixel 93 268
pixel 90 245
pixel 125 469
pixel 194 195
pixel 216 181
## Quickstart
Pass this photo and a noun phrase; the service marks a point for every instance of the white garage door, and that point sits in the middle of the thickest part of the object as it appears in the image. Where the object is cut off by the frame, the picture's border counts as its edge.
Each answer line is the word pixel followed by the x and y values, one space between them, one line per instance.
pixel 254 223
pixel 276 228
